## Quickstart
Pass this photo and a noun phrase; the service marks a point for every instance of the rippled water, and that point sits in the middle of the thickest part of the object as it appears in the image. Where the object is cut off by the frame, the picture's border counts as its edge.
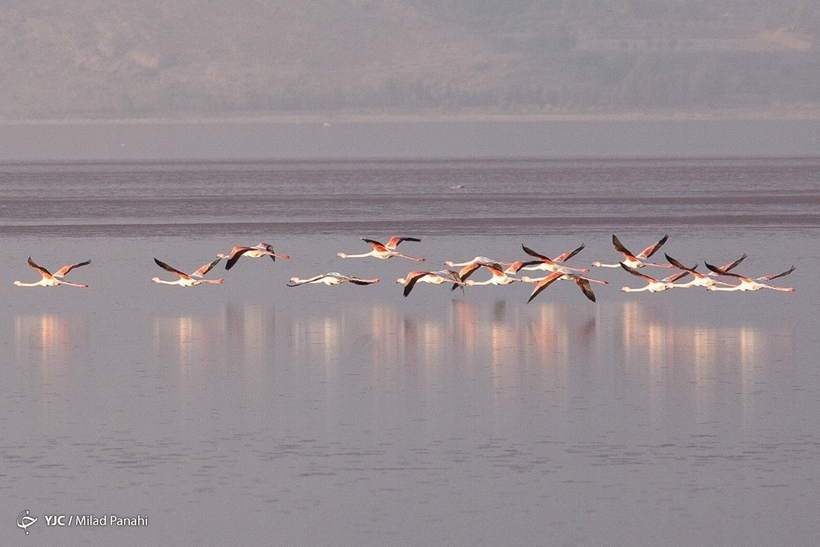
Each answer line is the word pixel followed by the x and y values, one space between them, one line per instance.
pixel 254 413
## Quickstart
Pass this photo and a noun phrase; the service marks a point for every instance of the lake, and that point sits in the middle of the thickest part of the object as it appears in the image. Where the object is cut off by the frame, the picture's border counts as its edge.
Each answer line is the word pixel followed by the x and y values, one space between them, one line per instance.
pixel 250 412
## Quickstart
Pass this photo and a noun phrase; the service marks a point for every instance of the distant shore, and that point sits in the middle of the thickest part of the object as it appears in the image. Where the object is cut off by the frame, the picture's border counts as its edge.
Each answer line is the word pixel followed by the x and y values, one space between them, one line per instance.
pixel 789 112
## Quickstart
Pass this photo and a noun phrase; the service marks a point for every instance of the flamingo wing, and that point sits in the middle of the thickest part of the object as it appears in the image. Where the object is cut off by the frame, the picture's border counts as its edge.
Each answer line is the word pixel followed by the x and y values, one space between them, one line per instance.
pixel 649 251
pixel 236 254
pixel 206 268
pixel 65 269
pixel 566 256
pixel 775 276
pixel 720 271
pixel 360 281
pixel 636 273
pixel 543 284
pixel 540 257
pixel 171 269
pixel 729 266
pixel 676 263
pixel 583 284
pixel 376 245
pixel 620 247
pixel 394 241
pixel 411 280
pixel 45 273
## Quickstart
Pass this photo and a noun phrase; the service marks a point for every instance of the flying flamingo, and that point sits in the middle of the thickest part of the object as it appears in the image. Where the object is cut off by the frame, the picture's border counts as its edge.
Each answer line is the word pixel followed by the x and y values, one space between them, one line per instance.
pixel 258 251
pixel 652 284
pixel 331 278
pixel 582 281
pixel 479 261
pixel 52 280
pixel 701 280
pixel 436 278
pixel 747 284
pixel 186 280
pixel 635 261
pixel 546 263
pixel 498 277
pixel 382 251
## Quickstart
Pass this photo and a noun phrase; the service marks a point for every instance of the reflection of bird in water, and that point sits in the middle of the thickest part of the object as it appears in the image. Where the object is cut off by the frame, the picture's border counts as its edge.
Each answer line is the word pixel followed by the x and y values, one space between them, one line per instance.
pixel 436 278
pixel 747 284
pixel 331 278
pixel 652 284
pixel 701 280
pixel 635 261
pixel 52 280
pixel 582 281
pixel 384 251
pixel 258 251
pixel 186 280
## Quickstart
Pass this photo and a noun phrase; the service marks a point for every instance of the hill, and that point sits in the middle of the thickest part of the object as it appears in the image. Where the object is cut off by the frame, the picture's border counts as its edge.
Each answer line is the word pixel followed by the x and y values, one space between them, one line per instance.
pixel 98 60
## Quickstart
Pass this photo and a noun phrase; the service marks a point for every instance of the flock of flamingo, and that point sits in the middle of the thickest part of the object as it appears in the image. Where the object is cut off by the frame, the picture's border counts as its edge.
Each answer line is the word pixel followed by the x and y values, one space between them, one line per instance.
pixel 501 273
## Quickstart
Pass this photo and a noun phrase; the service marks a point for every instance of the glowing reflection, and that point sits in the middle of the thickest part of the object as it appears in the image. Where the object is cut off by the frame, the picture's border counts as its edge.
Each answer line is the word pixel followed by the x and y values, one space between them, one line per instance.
pixel 48 339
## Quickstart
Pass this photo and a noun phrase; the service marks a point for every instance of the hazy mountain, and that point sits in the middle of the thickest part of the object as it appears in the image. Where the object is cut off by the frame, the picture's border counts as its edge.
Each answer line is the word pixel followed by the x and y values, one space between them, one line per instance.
pixel 95 59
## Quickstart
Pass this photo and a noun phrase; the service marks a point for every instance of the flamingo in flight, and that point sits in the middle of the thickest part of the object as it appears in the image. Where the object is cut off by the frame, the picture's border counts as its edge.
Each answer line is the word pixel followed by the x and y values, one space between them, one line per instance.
pixel 582 281
pixel 186 280
pixel 479 261
pixel 436 278
pixel 638 260
pixel 258 251
pixel 498 277
pixel 52 280
pixel 652 284
pixel 747 284
pixel 702 280
pixel 331 278
pixel 382 251
pixel 546 263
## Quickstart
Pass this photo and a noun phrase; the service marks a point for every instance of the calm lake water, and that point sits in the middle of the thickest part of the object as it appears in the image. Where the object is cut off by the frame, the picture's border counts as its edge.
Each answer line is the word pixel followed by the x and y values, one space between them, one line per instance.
pixel 252 413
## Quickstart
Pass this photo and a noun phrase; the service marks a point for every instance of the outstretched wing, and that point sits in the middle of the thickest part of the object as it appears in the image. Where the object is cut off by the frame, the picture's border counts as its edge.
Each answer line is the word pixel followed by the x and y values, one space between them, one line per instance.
pixel 566 256
pixel 235 255
pixel 206 268
pixel 171 269
pixel 649 251
pixel 543 284
pixel 360 281
pixel 45 273
pixel 65 269
pixel 539 256
pixel 636 273
pixel 583 284
pixel 376 245
pixel 394 241
pixel 729 266
pixel 775 276
pixel 677 264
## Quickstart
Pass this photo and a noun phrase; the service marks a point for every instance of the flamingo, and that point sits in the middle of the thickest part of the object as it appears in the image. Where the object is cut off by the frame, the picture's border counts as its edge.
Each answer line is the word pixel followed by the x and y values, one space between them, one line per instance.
pixel 381 251
pixel 582 281
pixel 186 280
pixel 652 284
pixel 546 263
pixel 52 280
pixel 747 284
pixel 635 261
pixel 436 278
pixel 258 251
pixel 331 278
pixel 498 277
pixel 479 260
pixel 701 280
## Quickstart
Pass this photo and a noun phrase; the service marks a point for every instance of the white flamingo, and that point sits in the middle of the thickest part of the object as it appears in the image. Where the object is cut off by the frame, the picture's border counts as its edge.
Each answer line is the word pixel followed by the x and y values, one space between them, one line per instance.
pixel 546 263
pixel 635 261
pixel 699 279
pixel 186 280
pixel 52 280
pixel 436 278
pixel 748 284
pixel 498 277
pixel 381 251
pixel 582 281
pixel 652 284
pixel 258 251
pixel 331 278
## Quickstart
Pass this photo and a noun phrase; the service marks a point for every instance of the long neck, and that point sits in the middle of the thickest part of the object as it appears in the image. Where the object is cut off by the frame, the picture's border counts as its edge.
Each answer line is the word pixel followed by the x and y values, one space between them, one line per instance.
pixel 37 284
pixel 363 255
pixel 602 265
pixel 162 281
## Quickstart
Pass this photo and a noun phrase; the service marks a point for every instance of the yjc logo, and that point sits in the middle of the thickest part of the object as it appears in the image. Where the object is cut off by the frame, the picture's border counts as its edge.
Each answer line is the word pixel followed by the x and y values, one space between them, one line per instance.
pixel 24 520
